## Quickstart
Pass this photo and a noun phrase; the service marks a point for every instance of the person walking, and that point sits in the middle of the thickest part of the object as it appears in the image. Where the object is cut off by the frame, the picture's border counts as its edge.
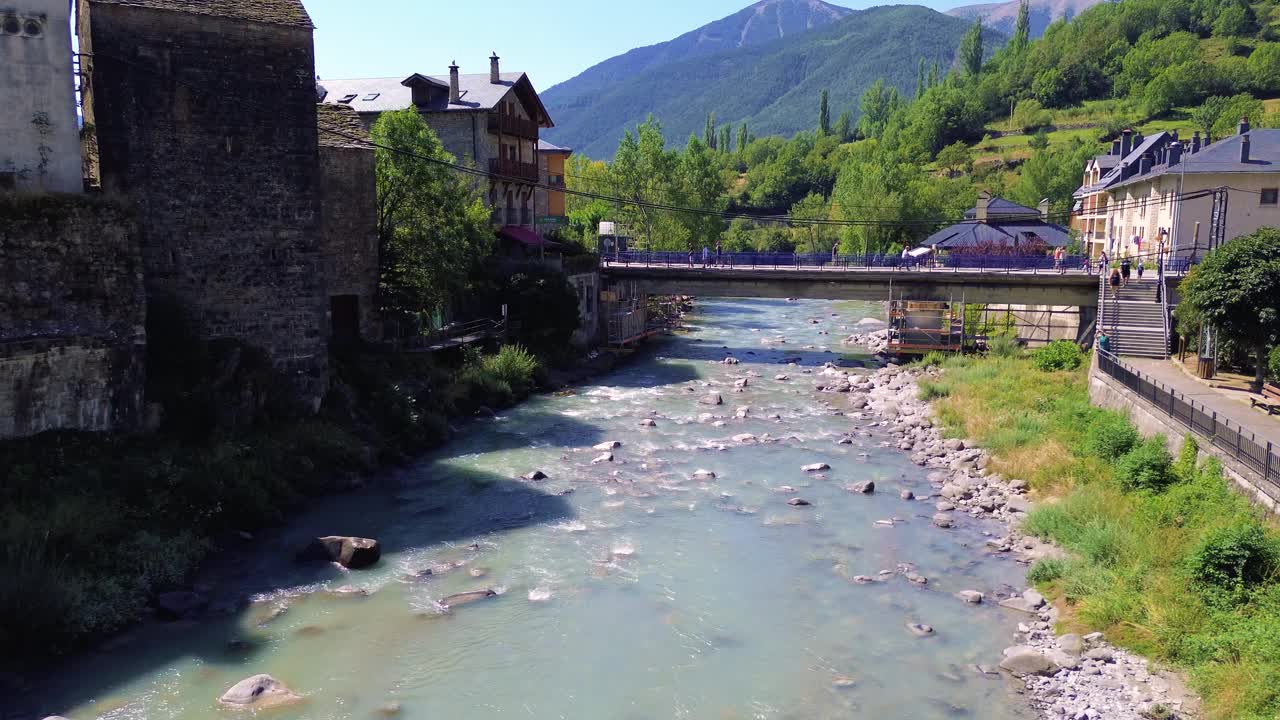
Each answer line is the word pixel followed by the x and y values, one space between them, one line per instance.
pixel 718 261
pixel 1141 266
pixel 1104 341
pixel 706 256
pixel 1057 260
pixel 835 253
pixel 1114 280
pixel 1126 267
pixel 1104 261
pixel 690 257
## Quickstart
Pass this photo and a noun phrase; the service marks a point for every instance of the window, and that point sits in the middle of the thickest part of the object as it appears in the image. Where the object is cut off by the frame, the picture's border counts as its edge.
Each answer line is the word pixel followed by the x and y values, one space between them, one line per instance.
pixel 1270 196
pixel 371 96
pixel 346 99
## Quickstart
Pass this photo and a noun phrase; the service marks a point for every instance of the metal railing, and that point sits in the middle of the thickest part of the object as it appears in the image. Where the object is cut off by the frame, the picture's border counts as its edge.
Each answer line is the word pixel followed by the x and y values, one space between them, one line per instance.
pixel 1257 457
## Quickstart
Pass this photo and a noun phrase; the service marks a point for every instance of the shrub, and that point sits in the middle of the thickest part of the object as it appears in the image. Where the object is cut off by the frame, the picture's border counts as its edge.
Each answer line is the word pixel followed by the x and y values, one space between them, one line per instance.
pixel 1046 570
pixel 1273 364
pixel 1146 467
pixel 1184 468
pixel 1234 557
pixel 933 358
pixel 1004 344
pixel 515 366
pixel 1110 436
pixel 1058 355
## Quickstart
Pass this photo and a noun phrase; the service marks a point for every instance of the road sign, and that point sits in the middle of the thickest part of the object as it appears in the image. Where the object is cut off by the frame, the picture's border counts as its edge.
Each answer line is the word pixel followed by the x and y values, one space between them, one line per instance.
pixel 553 220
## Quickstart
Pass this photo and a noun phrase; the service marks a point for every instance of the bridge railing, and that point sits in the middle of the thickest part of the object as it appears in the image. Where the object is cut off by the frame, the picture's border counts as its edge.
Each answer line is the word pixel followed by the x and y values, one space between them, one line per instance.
pixel 955 262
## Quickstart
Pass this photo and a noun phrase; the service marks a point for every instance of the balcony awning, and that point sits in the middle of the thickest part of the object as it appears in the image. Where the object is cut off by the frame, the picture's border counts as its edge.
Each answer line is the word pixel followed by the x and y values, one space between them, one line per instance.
pixel 525 236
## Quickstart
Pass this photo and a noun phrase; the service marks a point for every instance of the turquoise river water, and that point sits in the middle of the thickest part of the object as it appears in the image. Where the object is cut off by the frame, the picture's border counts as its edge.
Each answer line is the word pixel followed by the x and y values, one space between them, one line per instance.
pixel 643 593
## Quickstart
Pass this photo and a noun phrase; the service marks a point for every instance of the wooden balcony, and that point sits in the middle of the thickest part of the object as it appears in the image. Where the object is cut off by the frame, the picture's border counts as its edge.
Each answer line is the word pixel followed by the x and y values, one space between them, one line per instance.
pixel 514 169
pixel 512 125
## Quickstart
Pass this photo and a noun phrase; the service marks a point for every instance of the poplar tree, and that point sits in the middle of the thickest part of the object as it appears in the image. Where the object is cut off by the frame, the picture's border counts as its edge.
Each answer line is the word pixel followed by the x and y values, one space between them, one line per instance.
pixel 1022 30
pixel 920 79
pixel 824 115
pixel 725 140
pixel 844 127
pixel 742 137
pixel 971 49
pixel 709 132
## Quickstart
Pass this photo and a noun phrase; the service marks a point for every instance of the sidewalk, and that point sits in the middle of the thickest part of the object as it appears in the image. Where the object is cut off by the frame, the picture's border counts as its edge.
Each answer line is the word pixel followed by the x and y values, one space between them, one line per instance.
pixel 1230 404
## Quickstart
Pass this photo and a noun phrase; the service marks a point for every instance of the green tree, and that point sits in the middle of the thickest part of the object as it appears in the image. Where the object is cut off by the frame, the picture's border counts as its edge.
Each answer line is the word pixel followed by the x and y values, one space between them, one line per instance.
pixel 699 186
pixel 726 140
pixel 971 51
pixel 1052 174
pixel 1264 68
pixel 1022 28
pixel 824 114
pixel 879 102
pixel 1206 117
pixel 742 137
pixel 817 237
pixel 920 79
pixel 1237 290
pixel 709 133
pixel 844 127
pixel 956 158
pixel 433 228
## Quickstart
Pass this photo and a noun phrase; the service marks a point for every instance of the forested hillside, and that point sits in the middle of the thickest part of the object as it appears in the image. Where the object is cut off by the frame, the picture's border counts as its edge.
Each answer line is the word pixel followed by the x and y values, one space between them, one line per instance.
pixel 772 87
pixel 915 161
pixel 1003 16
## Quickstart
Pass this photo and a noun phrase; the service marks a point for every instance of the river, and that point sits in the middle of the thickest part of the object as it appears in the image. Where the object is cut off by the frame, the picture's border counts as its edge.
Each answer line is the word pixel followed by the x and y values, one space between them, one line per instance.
pixel 627 589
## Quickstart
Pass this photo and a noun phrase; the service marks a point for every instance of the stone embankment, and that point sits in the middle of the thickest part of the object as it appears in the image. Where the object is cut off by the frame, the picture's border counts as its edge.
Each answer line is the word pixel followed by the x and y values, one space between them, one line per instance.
pixel 1065 676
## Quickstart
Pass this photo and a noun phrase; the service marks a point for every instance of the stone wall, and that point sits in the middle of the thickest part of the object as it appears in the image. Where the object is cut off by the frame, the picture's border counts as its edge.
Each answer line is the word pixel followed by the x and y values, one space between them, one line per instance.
pixel 1105 392
pixel 587 285
pixel 72 316
pixel 348 221
pixel 207 125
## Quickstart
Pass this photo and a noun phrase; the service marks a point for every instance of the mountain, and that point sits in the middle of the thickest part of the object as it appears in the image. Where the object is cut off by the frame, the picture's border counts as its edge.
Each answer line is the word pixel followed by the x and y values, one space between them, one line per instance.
pixel 1002 16
pixel 772 86
pixel 761 23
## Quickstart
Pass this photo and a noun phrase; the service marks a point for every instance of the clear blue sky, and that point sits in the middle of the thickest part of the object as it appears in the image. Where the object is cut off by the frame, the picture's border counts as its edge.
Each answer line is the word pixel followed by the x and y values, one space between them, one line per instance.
pixel 550 40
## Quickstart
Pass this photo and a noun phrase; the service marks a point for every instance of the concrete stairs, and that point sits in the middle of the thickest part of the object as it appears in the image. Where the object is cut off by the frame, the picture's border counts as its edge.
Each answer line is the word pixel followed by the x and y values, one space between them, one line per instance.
pixel 1134 319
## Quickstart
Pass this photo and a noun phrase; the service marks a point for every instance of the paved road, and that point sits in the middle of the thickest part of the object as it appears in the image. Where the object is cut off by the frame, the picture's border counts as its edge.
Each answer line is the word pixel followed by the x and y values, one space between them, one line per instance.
pixel 1223 402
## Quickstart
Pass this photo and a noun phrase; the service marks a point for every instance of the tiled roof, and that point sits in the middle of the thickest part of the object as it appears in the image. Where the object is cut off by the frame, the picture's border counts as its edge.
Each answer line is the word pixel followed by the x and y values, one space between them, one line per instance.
pixel 1224 157
pixel 376 95
pixel 336 122
pixel 974 234
pixel 275 12
pixel 999 207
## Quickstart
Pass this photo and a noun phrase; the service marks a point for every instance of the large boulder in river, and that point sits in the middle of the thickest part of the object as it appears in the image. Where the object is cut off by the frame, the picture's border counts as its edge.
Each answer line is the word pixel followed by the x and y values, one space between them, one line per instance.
pixel 258 692
pixel 349 552
pixel 1022 660
pixel 712 399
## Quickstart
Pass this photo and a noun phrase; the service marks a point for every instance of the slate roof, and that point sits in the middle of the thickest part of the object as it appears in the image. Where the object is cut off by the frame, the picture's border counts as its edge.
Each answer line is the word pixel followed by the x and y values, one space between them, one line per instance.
pixel 546 147
pixel 974 234
pixel 1001 208
pixel 1112 178
pixel 274 12
pixel 377 95
pixel 340 119
pixel 1224 157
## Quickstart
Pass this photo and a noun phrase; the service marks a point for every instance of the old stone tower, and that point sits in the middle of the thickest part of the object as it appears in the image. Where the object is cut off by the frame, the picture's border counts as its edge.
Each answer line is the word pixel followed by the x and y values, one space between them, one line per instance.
pixel 205 116
pixel 39 137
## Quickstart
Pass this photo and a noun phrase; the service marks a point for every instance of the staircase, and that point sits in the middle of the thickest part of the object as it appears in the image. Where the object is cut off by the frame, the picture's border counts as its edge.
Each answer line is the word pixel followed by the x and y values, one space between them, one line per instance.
pixel 1133 317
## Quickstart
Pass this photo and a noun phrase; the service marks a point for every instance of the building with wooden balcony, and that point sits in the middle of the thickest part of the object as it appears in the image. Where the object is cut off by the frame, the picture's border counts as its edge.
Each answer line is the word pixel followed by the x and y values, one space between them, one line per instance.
pixel 491 122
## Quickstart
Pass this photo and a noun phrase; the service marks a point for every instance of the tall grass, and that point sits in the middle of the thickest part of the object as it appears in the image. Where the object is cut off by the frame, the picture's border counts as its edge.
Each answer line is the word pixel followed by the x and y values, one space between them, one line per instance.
pixel 1164 557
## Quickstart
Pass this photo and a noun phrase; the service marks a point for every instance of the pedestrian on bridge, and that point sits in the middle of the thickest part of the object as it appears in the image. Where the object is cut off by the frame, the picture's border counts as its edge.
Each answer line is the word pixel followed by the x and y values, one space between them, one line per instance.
pixel 1057 261
pixel 718 261
pixel 706 256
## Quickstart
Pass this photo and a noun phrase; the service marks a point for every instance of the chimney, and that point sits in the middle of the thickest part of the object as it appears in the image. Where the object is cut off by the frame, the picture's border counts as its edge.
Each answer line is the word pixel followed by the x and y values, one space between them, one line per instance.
pixel 1175 153
pixel 1244 126
pixel 455 93
pixel 1244 148
pixel 1126 143
pixel 1124 171
pixel 495 77
pixel 1195 143
pixel 984 202
pixel 1115 146
pixel 1144 164
pixel 1044 209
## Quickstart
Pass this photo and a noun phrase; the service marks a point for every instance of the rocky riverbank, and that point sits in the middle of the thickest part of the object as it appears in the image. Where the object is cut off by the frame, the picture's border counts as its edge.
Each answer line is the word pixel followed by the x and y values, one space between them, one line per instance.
pixel 1065 676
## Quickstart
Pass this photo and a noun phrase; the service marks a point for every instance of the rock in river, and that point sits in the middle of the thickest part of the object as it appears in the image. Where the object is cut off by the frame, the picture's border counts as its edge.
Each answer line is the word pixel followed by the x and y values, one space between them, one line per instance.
pixel 608 445
pixel 1022 660
pixel 970 596
pixel 535 475
pixel 816 467
pixel 798 502
pixel 468 597
pixel 942 520
pixel 866 488
pixel 257 692
pixel 712 399
pixel 350 552
pixel 920 629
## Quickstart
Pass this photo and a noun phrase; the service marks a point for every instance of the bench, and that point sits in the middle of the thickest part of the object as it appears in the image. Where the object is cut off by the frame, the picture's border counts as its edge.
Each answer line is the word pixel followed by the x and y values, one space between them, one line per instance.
pixel 1270 400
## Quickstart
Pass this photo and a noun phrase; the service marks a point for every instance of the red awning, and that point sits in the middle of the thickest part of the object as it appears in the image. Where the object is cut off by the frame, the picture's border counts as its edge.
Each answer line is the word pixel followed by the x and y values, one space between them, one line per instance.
pixel 525 237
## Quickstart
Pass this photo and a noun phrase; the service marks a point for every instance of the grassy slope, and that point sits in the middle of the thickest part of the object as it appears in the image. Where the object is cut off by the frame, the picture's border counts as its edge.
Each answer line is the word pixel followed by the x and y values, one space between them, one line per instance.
pixel 1129 574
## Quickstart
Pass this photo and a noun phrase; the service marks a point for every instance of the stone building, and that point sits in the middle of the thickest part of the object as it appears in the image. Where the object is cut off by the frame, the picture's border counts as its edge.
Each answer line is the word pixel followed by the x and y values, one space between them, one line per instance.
pixel 39 135
pixel 205 120
pixel 348 225
pixel 72 336
pixel 1147 198
pixel 491 121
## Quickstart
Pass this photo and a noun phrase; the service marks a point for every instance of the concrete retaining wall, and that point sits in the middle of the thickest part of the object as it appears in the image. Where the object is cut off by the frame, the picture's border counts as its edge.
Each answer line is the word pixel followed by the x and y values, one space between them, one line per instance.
pixel 1106 392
